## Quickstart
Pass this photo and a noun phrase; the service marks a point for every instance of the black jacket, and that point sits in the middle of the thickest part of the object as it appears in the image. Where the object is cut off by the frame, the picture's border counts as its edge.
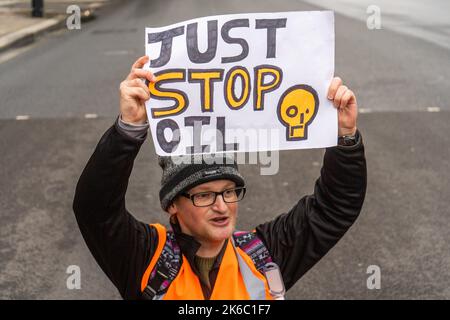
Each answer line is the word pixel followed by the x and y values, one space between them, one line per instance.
pixel 123 246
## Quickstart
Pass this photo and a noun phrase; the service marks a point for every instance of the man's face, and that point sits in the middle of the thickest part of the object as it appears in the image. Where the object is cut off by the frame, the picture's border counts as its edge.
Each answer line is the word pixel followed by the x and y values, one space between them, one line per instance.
pixel 213 223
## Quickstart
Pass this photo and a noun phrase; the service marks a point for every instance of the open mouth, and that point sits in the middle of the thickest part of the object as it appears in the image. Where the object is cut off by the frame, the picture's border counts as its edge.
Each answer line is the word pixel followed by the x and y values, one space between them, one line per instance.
pixel 220 221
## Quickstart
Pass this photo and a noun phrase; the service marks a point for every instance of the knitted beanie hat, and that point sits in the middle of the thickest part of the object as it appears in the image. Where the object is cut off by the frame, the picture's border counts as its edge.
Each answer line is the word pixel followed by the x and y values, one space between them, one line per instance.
pixel 182 173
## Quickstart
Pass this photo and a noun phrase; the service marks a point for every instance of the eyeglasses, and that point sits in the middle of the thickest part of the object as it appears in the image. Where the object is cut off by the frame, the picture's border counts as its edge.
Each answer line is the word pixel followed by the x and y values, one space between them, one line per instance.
pixel 204 199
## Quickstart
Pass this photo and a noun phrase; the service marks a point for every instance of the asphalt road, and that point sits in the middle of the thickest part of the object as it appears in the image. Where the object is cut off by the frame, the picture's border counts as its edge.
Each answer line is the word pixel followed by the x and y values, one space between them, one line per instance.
pixel 399 80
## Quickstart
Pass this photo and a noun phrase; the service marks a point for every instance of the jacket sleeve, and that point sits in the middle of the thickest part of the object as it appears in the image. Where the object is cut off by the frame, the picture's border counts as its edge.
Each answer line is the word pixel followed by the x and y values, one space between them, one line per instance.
pixel 300 238
pixel 121 245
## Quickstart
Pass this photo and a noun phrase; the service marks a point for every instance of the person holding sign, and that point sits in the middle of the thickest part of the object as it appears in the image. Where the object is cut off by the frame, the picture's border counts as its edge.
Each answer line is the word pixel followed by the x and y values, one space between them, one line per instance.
pixel 202 256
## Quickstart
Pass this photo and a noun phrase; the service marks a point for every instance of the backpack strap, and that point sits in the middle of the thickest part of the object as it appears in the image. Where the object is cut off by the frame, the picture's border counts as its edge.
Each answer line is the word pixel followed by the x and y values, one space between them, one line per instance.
pixel 163 267
pixel 253 246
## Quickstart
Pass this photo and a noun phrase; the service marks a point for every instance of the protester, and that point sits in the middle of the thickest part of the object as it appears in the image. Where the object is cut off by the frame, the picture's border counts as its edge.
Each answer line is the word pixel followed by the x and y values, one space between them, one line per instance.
pixel 202 256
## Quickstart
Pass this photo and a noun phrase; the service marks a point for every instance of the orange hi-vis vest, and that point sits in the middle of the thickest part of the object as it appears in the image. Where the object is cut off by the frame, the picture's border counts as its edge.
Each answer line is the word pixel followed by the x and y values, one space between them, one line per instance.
pixel 237 278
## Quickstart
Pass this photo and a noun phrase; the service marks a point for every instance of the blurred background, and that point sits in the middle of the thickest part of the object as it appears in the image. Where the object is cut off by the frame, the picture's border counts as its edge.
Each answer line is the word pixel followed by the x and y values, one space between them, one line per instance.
pixel 59 93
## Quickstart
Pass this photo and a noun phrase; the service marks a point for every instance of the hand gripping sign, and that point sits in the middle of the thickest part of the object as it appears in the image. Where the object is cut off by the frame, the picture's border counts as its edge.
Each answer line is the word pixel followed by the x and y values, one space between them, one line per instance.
pixel 242 83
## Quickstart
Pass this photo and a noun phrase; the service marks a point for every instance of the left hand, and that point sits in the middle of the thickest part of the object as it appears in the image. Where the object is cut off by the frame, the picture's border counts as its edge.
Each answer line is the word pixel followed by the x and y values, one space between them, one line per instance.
pixel 345 101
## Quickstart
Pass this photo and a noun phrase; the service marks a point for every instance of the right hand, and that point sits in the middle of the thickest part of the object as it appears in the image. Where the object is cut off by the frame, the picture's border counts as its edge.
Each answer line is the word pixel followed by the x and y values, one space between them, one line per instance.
pixel 134 93
pixel 345 101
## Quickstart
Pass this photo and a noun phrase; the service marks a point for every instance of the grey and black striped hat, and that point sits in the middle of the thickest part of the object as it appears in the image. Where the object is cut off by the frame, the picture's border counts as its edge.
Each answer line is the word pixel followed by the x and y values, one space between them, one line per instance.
pixel 183 173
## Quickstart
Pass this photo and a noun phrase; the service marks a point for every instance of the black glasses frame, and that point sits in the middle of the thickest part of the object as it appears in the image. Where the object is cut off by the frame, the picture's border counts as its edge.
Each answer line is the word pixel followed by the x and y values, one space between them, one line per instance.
pixel 191 196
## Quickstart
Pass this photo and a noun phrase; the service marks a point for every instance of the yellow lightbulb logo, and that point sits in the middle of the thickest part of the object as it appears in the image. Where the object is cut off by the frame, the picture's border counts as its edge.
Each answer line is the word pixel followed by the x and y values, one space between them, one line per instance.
pixel 296 110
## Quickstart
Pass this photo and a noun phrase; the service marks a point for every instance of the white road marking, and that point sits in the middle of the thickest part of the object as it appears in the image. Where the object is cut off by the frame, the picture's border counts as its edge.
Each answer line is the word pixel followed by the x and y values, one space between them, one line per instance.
pixel 423 109
pixel 118 53
pixel 91 116
pixel 22 117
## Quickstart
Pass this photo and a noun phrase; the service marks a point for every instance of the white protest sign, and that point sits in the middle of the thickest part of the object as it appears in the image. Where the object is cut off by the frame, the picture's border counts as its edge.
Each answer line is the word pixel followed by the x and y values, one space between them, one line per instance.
pixel 242 82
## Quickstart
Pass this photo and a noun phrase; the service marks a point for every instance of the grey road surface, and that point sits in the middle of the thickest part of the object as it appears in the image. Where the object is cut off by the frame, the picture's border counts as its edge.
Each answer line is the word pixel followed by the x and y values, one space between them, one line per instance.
pixel 426 20
pixel 402 84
